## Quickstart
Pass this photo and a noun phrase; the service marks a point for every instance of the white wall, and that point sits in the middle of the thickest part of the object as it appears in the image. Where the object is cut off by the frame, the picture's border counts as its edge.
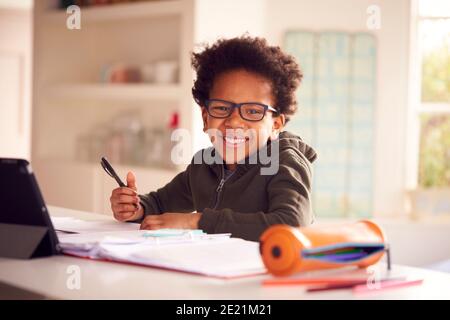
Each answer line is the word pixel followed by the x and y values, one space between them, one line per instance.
pixel 392 76
pixel 16 4
pixel 15 81
pixel 214 19
pixel 418 244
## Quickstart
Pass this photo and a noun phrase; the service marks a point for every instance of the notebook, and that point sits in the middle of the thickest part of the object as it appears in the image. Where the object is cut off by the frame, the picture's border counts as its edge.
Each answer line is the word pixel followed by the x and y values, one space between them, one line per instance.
pixel 191 251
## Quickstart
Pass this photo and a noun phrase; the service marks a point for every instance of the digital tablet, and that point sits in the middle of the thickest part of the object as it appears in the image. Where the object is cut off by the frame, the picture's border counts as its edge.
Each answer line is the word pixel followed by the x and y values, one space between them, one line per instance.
pixel 24 218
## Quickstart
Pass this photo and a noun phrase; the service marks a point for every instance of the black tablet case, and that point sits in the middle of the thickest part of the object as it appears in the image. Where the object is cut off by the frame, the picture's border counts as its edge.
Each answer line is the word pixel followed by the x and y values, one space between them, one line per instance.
pixel 26 230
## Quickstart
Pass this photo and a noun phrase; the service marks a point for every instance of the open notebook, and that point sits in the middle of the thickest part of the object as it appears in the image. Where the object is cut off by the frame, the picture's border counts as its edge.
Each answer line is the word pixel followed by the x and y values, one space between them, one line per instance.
pixel 214 255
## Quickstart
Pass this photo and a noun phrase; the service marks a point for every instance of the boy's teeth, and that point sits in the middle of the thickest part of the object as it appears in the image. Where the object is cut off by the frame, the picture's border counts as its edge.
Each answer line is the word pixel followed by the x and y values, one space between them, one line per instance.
pixel 234 140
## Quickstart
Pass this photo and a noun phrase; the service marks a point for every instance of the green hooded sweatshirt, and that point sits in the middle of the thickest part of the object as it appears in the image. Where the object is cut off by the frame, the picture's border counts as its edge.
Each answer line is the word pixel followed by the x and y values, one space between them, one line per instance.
pixel 244 202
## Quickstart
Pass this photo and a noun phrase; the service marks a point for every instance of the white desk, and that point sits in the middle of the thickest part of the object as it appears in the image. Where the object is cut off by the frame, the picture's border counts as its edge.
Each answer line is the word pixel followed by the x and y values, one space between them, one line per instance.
pixel 105 280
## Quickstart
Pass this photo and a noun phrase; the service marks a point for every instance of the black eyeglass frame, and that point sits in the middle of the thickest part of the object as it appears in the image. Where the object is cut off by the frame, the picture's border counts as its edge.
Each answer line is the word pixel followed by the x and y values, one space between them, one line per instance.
pixel 239 105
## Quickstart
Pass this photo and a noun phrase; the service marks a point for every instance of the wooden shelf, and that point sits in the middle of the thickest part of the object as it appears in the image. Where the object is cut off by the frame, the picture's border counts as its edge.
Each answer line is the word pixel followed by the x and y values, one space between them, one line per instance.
pixel 106 91
pixel 123 11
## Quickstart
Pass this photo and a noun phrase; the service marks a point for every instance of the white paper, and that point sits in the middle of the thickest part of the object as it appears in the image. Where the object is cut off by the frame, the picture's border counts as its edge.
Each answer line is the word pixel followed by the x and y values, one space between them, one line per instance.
pixel 146 237
pixel 213 255
pixel 79 226
pixel 225 258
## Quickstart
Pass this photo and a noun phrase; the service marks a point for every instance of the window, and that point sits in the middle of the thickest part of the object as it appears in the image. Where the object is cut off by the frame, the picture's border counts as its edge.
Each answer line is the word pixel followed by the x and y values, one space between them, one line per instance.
pixel 434 108
pixel 336 117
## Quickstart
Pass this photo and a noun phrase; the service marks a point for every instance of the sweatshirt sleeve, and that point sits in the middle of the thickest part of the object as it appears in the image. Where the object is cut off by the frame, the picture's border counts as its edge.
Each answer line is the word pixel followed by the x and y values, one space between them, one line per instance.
pixel 163 200
pixel 289 193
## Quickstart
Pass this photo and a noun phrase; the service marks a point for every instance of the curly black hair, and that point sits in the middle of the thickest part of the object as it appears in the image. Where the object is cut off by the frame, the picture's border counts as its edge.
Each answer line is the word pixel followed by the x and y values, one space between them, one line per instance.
pixel 252 54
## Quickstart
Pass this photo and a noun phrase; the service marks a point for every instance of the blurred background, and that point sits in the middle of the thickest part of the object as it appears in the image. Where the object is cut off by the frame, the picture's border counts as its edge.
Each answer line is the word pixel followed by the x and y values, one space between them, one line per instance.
pixel 86 78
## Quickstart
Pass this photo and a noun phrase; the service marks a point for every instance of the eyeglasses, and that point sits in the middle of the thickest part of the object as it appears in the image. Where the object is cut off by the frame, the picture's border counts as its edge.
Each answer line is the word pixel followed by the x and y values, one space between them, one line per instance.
pixel 251 111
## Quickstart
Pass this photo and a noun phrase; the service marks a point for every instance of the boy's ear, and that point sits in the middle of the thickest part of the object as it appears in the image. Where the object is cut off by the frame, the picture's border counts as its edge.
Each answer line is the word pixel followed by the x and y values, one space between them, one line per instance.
pixel 278 125
pixel 205 117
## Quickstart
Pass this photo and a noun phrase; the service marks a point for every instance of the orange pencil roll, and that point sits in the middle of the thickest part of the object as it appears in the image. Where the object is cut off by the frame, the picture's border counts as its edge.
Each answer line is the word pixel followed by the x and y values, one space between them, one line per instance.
pixel 287 250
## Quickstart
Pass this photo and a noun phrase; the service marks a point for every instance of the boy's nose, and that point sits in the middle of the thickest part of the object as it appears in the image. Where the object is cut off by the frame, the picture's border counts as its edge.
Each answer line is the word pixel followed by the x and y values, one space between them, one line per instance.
pixel 234 120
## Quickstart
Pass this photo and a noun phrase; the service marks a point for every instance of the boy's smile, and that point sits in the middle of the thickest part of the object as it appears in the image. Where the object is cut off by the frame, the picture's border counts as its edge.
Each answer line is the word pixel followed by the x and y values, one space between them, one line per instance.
pixel 234 137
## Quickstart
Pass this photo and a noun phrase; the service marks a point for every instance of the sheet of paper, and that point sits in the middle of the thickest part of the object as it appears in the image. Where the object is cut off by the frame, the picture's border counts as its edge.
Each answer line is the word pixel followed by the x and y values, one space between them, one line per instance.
pixel 85 241
pixel 227 258
pixel 79 226
pixel 184 250
pixel 218 256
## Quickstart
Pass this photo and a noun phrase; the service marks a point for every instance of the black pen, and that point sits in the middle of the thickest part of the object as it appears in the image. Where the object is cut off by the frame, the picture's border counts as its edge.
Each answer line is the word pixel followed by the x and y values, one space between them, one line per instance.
pixel 110 171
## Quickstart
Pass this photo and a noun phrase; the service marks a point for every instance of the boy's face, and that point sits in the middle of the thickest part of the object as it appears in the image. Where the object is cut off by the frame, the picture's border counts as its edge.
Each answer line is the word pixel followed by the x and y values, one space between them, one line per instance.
pixel 234 137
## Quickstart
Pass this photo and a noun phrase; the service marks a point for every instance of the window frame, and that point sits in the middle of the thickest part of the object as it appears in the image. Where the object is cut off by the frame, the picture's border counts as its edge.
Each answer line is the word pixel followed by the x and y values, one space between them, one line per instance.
pixel 417 108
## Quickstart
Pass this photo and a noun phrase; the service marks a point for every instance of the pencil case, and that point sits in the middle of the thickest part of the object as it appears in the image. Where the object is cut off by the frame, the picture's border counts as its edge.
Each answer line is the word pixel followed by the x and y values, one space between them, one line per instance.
pixel 286 250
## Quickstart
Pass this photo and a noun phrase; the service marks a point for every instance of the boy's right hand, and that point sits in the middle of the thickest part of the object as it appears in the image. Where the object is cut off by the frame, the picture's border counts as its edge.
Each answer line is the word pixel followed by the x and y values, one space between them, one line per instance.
pixel 125 201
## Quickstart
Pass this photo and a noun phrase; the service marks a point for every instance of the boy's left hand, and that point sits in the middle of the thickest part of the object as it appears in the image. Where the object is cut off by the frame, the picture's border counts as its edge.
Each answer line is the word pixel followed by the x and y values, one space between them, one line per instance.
pixel 171 220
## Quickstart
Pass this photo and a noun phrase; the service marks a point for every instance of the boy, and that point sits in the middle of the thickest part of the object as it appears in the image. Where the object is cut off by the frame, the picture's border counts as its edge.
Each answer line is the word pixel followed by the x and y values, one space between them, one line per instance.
pixel 246 91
